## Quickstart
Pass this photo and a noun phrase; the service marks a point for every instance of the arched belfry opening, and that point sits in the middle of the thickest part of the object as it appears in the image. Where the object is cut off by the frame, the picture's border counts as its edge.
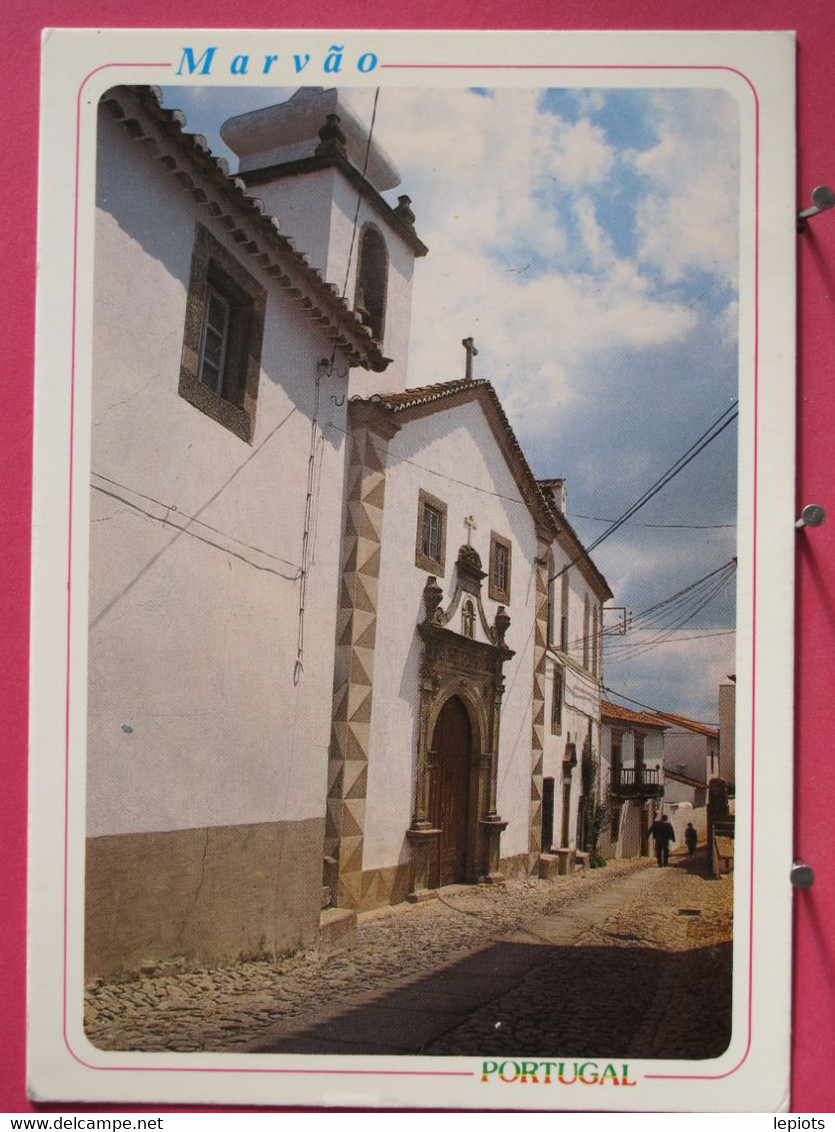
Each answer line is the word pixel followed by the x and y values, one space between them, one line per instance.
pixel 372 280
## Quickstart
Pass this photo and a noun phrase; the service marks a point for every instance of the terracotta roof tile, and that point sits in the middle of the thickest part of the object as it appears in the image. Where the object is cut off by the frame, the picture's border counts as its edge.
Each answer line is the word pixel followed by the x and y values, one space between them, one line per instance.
pixel 426 394
pixel 608 710
pixel 472 389
pixel 324 304
pixel 690 724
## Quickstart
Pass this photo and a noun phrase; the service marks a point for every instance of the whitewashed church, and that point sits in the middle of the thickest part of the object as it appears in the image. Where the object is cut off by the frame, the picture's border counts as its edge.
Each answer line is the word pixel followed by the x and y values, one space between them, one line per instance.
pixel 344 648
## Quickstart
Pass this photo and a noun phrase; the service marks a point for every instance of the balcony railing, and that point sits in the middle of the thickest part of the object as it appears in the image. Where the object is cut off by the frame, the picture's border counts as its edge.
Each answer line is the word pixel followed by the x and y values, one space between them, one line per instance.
pixel 636 781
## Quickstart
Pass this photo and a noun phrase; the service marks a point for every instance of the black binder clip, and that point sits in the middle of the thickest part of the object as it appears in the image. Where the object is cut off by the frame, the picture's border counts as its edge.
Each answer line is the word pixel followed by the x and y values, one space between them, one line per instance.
pixel 822 198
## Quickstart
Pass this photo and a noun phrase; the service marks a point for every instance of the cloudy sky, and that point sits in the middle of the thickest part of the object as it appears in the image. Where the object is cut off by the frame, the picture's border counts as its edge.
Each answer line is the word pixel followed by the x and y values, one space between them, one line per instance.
pixel 587 239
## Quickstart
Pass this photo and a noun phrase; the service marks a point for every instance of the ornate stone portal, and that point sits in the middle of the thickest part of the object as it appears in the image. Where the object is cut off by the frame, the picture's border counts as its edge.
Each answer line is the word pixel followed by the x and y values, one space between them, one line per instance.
pixel 456 666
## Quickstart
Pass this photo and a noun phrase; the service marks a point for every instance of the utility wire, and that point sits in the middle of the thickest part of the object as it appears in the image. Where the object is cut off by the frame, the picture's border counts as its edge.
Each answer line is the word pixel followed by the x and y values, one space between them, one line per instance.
pixel 648 707
pixel 708 436
pixel 683 607
pixel 228 550
pixel 683 611
pixel 673 600
pixel 183 530
pixel 451 479
pixel 311 506
pixel 731 563
pixel 173 509
pixel 638 648
pixel 359 193
pixel 687 601
pixel 661 526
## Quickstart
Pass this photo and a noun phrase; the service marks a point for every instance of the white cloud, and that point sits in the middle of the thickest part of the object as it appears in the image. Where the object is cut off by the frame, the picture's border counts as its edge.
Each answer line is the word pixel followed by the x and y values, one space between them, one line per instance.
pixel 486 177
pixel 688 218
pixel 520 257
pixel 579 155
pixel 727 324
pixel 683 675
pixel 504 197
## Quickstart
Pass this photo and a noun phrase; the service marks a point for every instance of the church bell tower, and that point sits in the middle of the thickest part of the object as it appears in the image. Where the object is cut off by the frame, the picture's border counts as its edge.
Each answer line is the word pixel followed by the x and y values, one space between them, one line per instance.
pixel 309 160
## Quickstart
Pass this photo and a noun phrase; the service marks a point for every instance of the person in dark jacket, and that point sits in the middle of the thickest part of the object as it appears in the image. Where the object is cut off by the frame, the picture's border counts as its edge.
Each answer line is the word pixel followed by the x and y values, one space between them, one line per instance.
pixel 662 833
pixel 691 839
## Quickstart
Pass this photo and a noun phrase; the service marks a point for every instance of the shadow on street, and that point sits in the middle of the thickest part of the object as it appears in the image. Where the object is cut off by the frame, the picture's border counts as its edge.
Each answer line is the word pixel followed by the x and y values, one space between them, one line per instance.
pixel 512 998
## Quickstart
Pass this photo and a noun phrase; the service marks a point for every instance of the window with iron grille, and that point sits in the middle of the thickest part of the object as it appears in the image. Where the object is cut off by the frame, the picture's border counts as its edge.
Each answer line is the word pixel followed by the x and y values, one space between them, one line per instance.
pixel 431 532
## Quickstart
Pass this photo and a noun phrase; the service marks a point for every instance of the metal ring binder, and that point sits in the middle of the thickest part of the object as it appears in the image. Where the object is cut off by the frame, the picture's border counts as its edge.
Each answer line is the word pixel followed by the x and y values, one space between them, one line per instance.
pixel 823 198
pixel 802 876
pixel 812 515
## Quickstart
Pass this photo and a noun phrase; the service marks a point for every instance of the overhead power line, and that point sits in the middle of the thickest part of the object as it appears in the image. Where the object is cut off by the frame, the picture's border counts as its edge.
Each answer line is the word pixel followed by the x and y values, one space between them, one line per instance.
pixel 679 598
pixel 708 436
pixel 666 617
pixel 648 707
pixel 662 526
pixel 682 604
pixel 628 651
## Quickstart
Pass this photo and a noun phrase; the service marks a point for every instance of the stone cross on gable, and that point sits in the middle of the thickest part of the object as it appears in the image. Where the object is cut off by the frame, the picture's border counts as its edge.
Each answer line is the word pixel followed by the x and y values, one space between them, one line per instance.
pixel 471 526
pixel 470 346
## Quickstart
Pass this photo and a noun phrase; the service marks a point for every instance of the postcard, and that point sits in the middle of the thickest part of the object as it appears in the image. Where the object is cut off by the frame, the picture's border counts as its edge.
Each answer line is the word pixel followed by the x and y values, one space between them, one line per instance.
pixel 413 565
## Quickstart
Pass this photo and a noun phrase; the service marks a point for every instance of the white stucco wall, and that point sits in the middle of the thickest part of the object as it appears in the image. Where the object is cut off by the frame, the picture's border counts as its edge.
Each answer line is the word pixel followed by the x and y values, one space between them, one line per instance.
pixel 195 719
pixel 581 689
pixel 628 844
pixel 630 831
pixel 453 456
pixel 682 812
pixel 317 210
pixel 653 745
pixel 304 206
pixel 727 732
pixel 581 711
pixel 688 753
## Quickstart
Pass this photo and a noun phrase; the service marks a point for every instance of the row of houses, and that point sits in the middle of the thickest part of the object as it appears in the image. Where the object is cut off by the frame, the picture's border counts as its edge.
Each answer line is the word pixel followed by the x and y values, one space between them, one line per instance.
pixel 344 647
pixel 654 760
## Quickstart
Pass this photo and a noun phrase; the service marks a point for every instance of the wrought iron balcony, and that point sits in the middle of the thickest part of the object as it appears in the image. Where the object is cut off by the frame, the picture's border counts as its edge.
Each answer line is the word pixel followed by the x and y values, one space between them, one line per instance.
pixel 636 782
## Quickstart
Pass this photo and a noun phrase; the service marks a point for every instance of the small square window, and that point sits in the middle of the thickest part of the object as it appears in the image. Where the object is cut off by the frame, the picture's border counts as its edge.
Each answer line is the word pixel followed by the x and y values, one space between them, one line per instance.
pixel 499 587
pixel 430 548
pixel 224 330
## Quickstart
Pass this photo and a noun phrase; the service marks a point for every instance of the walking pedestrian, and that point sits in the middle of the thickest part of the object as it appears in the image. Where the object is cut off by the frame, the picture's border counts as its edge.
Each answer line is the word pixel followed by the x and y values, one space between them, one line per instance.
pixel 662 833
pixel 691 839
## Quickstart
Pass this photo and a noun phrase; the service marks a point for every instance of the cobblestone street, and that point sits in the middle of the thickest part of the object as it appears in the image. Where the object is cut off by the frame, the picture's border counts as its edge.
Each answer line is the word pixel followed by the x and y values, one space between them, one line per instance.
pixel 631 961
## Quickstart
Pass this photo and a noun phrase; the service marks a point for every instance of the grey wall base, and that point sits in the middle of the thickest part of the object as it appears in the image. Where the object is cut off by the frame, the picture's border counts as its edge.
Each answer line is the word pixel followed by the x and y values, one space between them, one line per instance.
pixel 204 896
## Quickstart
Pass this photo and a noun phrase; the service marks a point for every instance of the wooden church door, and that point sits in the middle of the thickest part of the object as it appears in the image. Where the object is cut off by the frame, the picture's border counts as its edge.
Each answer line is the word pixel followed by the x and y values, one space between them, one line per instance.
pixel 450 792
